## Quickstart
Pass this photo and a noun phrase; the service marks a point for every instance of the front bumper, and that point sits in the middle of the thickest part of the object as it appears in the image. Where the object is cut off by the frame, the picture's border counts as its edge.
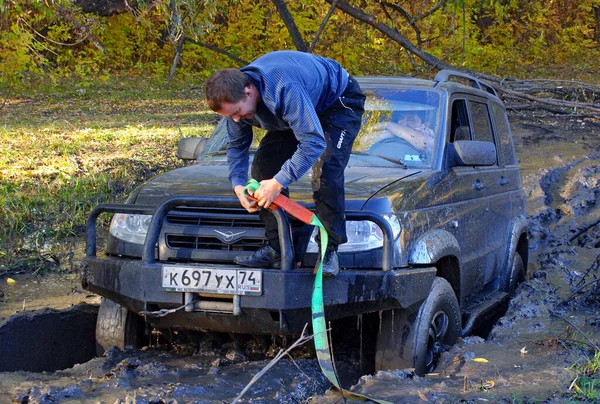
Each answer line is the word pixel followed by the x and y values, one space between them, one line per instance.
pixel 284 306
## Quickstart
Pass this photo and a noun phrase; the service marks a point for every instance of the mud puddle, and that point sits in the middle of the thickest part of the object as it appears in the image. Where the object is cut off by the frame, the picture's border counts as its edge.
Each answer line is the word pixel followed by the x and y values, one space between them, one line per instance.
pixel 528 356
pixel 22 292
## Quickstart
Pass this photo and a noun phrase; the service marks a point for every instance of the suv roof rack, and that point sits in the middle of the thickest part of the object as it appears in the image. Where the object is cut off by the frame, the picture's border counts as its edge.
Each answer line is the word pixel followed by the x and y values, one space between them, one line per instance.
pixel 444 75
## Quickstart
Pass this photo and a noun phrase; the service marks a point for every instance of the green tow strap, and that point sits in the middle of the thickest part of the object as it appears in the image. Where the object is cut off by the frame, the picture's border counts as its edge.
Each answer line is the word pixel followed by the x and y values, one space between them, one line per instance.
pixel 318 310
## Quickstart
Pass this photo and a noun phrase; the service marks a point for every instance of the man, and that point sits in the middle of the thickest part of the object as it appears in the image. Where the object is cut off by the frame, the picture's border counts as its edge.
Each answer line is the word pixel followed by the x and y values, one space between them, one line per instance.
pixel 312 109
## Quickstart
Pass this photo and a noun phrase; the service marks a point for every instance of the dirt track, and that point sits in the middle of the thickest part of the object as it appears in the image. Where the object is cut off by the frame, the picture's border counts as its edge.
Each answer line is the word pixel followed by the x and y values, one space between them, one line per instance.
pixel 528 353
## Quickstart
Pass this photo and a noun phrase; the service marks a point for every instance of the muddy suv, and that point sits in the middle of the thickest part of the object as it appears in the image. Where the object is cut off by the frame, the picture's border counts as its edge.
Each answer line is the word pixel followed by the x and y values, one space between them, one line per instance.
pixel 437 235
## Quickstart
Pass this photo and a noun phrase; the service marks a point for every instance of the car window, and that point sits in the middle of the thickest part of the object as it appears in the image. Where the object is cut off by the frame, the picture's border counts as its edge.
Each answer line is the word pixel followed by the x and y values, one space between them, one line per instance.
pixel 459 122
pixel 503 135
pixel 482 127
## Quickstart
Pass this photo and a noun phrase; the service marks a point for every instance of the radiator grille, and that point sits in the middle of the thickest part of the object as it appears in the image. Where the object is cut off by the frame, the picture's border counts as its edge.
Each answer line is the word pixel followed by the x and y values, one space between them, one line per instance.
pixel 226 217
pixel 212 243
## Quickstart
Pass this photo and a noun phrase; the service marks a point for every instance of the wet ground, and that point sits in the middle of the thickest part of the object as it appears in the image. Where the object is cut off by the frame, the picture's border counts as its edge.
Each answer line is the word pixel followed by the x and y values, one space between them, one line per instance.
pixel 551 324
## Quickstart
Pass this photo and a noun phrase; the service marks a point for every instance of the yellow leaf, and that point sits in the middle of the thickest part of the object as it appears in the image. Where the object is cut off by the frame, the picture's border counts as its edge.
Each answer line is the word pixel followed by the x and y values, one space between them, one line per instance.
pixel 488 384
pixel 480 360
pixel 10 281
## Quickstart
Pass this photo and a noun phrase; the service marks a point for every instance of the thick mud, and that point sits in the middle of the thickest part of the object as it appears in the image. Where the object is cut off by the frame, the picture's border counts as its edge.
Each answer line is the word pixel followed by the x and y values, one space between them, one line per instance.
pixel 551 324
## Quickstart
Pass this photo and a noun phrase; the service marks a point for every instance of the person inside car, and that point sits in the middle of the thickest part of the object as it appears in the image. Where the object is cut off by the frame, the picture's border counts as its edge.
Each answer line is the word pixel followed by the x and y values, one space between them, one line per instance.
pixel 409 127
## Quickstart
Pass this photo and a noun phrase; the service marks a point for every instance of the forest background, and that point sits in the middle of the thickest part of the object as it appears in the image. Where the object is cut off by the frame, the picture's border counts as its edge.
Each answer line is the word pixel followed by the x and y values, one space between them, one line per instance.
pixel 95 95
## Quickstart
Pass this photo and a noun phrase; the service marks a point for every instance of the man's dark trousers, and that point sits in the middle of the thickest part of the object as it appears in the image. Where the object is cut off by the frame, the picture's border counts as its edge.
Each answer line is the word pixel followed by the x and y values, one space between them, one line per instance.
pixel 341 123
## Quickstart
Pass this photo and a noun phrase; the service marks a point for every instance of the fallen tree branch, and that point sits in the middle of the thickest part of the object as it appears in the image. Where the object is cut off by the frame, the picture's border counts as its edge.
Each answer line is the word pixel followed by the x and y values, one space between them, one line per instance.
pixel 70 17
pixel 311 48
pixel 500 85
pixel 218 50
pixel 557 82
pixel 590 342
pixel 533 107
pixel 549 101
pixel 579 289
pixel 584 229
pixel 300 341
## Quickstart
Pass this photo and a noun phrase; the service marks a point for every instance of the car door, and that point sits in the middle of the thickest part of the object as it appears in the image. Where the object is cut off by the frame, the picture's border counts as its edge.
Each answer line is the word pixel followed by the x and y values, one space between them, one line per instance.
pixel 509 199
pixel 470 203
pixel 494 226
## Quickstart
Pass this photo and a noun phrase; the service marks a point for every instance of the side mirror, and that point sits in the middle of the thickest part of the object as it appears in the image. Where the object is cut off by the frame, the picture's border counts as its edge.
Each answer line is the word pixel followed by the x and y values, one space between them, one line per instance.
pixel 190 148
pixel 473 153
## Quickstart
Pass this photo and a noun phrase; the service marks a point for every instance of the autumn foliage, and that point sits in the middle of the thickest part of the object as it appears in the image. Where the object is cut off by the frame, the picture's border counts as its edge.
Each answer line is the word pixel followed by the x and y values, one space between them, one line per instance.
pixel 58 39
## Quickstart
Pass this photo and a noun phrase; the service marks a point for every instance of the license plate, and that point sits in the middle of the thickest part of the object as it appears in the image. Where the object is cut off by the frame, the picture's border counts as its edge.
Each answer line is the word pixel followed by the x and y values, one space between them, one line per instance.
pixel 212 280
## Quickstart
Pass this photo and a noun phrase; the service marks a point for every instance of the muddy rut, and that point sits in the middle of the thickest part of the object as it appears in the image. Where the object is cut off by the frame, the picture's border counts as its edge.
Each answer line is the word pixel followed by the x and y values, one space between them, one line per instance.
pixel 551 324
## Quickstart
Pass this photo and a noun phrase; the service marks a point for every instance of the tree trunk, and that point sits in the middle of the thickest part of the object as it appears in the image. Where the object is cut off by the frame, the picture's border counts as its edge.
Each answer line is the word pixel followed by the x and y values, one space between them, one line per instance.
pixel 177 57
pixel 289 22
pixel 596 10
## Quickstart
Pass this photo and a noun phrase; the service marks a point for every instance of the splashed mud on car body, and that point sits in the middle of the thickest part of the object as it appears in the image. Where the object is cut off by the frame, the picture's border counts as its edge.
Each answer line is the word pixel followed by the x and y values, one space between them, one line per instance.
pixel 437 234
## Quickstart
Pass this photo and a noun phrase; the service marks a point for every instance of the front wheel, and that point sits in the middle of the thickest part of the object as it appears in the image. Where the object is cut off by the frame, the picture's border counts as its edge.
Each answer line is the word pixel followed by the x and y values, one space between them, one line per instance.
pixel 117 326
pixel 417 338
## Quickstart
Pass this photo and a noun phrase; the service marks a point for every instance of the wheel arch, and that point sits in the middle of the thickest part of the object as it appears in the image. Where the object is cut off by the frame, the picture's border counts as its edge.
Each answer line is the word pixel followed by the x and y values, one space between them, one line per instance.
pixel 433 246
pixel 519 244
pixel 440 249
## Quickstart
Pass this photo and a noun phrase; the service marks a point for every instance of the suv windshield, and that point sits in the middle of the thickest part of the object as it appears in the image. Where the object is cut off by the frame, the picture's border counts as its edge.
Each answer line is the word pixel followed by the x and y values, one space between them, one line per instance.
pixel 399 125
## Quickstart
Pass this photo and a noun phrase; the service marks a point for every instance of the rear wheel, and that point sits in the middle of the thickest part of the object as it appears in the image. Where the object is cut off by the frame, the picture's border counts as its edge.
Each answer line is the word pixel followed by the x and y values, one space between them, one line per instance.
pixel 417 338
pixel 117 326
pixel 516 275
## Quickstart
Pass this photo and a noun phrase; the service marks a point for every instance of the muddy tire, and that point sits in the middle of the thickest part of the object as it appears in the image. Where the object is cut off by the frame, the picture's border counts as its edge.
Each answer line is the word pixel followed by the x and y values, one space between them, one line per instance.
pixel 117 326
pixel 417 338
pixel 516 275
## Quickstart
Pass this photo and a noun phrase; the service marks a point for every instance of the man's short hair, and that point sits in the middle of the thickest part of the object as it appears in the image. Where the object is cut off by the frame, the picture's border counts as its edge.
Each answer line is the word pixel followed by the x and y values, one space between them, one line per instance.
pixel 225 85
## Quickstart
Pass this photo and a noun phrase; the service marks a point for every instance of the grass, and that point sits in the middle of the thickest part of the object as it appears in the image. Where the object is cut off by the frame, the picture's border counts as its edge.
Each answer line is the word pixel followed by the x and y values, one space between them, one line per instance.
pixel 586 385
pixel 67 148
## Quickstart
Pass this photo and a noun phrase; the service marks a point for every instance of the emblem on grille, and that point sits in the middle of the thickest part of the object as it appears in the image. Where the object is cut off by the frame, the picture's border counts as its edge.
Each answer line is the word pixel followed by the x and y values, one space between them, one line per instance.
pixel 228 236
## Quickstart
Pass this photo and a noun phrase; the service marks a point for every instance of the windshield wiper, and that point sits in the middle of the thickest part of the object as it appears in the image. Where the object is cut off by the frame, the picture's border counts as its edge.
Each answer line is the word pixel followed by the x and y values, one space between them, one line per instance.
pixel 216 153
pixel 390 159
pixel 224 152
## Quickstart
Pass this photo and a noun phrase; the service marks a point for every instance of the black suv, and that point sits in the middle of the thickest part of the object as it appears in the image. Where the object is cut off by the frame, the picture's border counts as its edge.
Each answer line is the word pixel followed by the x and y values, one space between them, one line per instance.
pixel 436 225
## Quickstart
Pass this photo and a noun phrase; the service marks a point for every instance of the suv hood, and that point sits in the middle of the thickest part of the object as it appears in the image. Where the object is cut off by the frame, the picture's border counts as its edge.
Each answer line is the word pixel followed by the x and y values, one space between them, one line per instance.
pixel 212 181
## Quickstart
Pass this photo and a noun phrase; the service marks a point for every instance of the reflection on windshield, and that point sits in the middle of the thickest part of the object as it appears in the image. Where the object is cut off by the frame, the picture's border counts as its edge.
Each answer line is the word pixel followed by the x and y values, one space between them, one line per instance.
pixel 399 125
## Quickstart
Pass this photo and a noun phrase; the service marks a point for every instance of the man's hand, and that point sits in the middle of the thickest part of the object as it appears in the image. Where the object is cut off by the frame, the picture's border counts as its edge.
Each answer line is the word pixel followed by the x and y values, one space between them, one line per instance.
pixel 248 204
pixel 267 192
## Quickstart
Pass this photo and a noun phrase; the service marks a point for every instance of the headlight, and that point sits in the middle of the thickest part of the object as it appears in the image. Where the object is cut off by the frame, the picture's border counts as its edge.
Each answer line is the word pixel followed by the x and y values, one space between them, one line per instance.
pixel 132 228
pixel 362 235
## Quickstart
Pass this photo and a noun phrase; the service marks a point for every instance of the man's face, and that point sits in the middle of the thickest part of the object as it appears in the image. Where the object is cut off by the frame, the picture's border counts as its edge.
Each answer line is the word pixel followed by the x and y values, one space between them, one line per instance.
pixel 243 109
pixel 411 120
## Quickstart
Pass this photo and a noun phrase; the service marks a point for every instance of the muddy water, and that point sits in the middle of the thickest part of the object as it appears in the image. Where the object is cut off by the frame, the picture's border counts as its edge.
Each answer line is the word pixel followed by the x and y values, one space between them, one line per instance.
pixel 526 358
pixel 29 293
